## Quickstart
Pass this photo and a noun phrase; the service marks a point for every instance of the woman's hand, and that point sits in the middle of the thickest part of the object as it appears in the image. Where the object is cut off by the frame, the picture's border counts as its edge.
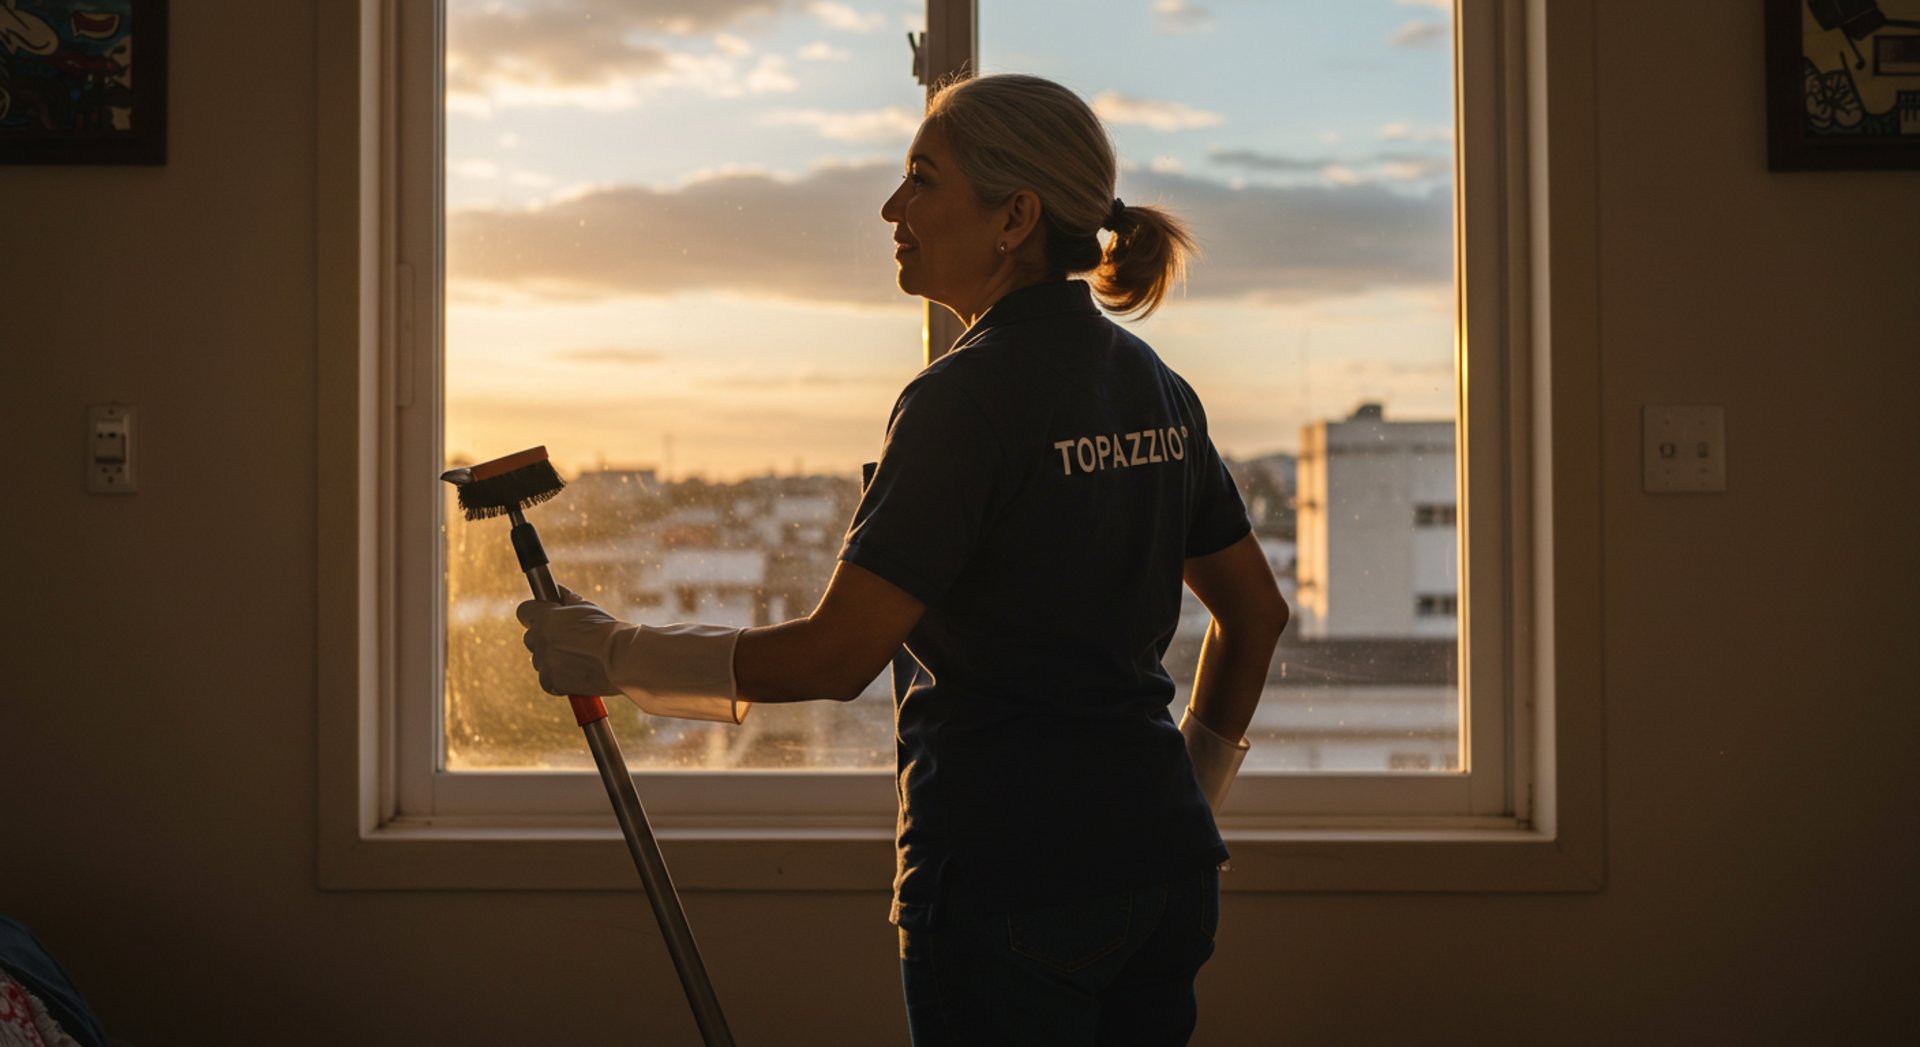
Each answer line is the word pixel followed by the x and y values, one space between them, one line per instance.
pixel 1237 588
pixel 684 671
pixel 569 641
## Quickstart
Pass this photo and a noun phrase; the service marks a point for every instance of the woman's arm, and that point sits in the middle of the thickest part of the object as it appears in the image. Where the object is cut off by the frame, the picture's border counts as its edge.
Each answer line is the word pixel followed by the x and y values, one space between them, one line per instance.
pixel 833 652
pixel 1237 588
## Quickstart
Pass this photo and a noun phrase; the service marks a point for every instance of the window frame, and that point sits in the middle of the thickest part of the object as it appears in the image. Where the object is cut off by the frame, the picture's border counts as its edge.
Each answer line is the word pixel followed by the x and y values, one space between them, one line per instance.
pixel 1523 818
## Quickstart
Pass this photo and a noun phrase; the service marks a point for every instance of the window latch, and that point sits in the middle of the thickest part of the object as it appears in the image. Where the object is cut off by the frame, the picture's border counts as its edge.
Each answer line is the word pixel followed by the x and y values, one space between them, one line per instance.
pixel 918 43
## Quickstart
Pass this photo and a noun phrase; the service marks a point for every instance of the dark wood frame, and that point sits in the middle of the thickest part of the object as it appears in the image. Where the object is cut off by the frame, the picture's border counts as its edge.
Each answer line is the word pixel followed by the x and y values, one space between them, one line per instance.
pixel 145 143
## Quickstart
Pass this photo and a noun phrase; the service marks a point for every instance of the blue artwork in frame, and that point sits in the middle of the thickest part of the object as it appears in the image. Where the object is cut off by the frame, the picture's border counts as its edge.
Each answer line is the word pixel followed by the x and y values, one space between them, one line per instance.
pixel 1843 84
pixel 83 81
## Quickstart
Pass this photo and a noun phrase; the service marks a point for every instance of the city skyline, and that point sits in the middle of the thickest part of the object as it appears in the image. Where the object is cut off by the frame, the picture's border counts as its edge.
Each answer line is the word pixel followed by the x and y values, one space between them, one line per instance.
pixel 758 551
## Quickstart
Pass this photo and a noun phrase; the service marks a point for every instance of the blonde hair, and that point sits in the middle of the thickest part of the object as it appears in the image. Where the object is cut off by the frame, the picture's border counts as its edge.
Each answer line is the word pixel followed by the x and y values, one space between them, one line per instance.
pixel 1011 132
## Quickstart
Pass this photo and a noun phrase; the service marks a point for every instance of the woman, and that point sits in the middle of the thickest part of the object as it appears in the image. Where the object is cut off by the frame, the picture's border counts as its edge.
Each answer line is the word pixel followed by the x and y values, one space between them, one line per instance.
pixel 1044 490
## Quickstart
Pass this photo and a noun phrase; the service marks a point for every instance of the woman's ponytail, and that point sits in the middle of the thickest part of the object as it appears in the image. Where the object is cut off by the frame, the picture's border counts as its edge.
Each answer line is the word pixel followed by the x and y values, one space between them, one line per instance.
pixel 1147 255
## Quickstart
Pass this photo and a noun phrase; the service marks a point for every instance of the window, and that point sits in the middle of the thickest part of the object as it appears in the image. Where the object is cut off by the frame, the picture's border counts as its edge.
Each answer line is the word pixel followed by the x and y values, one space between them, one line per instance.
pixel 761 176
pixel 690 324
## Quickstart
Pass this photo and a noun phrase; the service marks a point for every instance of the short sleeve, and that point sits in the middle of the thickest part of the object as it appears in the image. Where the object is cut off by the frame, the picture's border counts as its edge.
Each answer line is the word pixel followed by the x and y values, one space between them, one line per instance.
pixel 1216 515
pixel 922 513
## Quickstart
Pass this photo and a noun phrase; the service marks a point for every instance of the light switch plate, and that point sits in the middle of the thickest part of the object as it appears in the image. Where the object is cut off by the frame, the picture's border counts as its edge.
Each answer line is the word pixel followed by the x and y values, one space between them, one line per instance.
pixel 1684 449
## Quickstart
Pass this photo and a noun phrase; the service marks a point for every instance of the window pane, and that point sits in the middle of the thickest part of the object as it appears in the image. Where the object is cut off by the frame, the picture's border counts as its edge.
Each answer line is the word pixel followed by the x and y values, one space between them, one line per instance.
pixel 1310 145
pixel 665 262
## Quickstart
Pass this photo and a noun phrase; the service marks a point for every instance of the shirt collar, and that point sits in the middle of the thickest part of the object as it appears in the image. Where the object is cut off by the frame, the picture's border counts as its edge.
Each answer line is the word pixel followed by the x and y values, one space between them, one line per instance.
pixel 1053 298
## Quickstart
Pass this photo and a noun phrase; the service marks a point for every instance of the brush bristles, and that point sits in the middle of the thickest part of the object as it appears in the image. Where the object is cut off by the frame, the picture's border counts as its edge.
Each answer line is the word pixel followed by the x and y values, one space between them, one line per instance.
pixel 522 488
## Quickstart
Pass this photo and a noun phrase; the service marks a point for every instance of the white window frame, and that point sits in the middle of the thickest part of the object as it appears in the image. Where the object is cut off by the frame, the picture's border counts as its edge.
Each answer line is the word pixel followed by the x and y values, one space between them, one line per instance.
pixel 1524 814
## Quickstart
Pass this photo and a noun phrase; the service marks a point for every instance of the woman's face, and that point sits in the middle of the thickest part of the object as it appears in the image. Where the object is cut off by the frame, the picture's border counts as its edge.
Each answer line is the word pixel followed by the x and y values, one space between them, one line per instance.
pixel 945 243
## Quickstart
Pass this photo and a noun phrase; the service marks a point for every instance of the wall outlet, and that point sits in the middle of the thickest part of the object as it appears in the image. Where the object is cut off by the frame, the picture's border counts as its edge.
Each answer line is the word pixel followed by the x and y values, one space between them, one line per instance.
pixel 110 449
pixel 1684 449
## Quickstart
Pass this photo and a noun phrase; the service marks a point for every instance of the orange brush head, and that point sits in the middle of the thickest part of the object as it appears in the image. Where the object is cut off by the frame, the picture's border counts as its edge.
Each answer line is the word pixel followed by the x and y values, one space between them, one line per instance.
pixel 517 481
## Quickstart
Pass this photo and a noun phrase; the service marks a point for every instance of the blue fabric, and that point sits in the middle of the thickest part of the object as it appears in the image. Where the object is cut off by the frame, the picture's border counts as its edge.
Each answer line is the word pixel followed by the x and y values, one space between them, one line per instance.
pixel 1040 490
pixel 1113 971
pixel 30 964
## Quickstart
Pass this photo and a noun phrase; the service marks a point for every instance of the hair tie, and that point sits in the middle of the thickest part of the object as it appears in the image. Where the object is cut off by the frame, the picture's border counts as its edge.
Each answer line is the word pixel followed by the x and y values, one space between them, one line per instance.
pixel 1113 216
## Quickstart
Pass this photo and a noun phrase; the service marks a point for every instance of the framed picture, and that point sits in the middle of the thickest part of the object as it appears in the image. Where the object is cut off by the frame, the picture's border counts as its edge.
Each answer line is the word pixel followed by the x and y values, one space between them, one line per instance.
pixel 1843 84
pixel 71 91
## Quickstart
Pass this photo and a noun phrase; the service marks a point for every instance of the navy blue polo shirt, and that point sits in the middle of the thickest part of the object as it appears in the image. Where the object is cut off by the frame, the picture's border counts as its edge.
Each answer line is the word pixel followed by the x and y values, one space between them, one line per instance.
pixel 1040 489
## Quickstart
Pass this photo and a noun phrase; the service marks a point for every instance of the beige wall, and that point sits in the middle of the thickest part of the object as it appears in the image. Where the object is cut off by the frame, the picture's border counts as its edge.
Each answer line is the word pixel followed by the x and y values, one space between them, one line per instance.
pixel 157 735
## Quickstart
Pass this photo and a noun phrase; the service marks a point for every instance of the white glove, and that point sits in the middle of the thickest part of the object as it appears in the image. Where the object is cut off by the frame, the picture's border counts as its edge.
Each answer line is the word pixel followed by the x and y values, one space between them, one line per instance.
pixel 675 670
pixel 1215 760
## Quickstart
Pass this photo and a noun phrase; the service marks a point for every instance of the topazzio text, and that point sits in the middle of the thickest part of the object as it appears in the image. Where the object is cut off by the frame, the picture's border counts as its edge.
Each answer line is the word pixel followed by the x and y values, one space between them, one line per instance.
pixel 1092 454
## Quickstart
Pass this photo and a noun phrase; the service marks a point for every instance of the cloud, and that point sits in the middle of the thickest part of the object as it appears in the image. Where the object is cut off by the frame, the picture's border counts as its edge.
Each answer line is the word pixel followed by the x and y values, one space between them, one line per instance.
pixel 1406 131
pixel 482 170
pixel 475 169
pixel 1420 34
pixel 505 49
pixel 816 238
pixel 1409 167
pixel 584 52
pixel 892 124
pixel 1273 162
pixel 770 76
pixel 819 239
pixel 618 355
pixel 1174 17
pixel 1445 6
pixel 807 378
pixel 1352 170
pixel 1116 108
pixel 666 17
pixel 840 16
pixel 1273 243
pixel 821 51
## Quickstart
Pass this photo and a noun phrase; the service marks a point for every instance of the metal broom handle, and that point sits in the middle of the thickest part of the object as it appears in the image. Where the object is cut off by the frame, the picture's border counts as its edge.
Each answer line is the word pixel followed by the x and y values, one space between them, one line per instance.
pixel 592 716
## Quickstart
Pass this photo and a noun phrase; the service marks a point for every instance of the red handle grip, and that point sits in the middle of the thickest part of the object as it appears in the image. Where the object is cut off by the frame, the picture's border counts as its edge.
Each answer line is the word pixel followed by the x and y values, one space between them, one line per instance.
pixel 586 708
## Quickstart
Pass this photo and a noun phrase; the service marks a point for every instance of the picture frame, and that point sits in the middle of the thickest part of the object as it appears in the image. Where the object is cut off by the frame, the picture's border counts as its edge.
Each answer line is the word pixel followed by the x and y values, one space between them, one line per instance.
pixel 1843 84
pixel 68 90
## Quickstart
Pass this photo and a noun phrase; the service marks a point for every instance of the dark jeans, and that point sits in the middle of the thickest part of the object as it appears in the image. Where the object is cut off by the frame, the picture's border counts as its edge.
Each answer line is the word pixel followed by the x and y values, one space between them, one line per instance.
pixel 1107 971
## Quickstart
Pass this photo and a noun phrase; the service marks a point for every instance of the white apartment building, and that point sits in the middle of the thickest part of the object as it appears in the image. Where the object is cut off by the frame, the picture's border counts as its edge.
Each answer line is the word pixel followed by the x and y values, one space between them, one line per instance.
pixel 1378 549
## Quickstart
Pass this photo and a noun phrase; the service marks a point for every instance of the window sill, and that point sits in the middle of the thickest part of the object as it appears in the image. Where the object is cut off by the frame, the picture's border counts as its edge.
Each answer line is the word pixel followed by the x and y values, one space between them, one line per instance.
pixel 440 856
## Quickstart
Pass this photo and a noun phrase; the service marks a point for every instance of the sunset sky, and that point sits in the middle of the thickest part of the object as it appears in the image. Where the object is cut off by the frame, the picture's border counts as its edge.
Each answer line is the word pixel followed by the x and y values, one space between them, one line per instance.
pixel 665 250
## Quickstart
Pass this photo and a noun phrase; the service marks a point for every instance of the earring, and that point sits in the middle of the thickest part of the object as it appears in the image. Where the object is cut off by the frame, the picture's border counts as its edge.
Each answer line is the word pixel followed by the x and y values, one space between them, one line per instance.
pixel 1003 248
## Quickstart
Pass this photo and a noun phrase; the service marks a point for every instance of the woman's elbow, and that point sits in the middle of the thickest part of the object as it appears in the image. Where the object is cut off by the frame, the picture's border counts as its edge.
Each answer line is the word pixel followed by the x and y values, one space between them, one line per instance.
pixel 853 679
pixel 1272 621
pixel 845 690
pixel 1262 620
pixel 826 687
